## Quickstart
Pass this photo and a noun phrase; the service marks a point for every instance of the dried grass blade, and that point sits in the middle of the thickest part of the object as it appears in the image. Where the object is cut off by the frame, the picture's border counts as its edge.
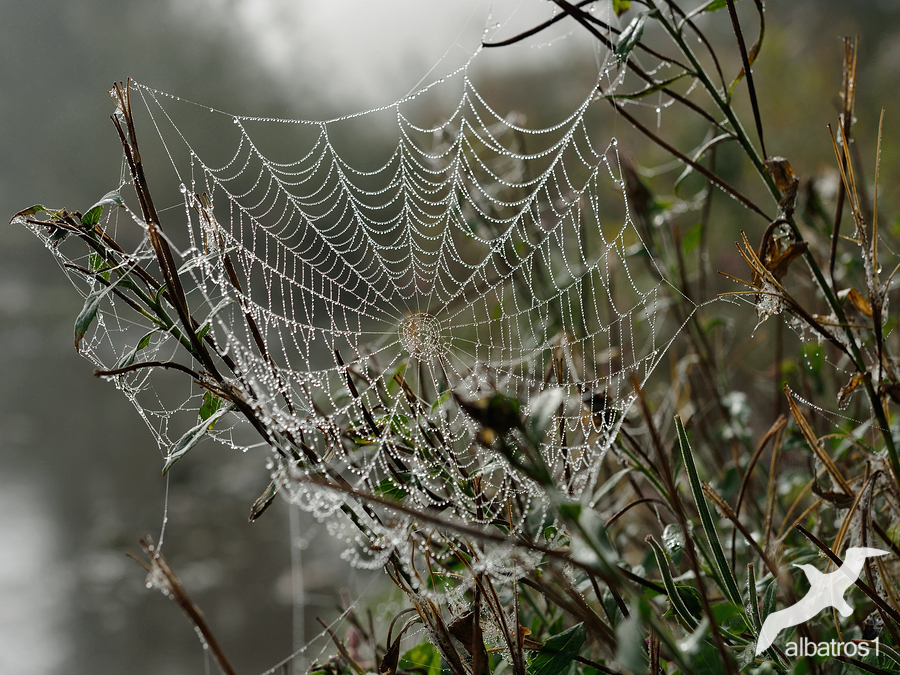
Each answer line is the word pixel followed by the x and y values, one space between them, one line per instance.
pixel 813 442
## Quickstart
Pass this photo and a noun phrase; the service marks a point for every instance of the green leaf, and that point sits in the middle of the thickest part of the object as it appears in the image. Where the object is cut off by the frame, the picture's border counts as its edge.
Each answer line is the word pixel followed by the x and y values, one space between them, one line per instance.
pixel 729 616
pixel 558 652
pixel 673 540
pixel 422 657
pixel 631 36
pixel 191 438
pixel 388 488
pixel 674 592
pixel 728 581
pixel 207 324
pixel 753 599
pixel 89 310
pixel 128 358
pixel 393 386
pixel 211 403
pixel 87 314
pixel 769 599
pixel 98 264
pixel 715 5
pixel 706 660
pixel 92 217
pixel 440 401
pixel 621 6
pixel 570 511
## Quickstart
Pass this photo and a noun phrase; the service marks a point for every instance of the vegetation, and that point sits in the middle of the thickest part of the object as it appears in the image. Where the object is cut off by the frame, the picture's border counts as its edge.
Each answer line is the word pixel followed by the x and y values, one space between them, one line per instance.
pixel 677 557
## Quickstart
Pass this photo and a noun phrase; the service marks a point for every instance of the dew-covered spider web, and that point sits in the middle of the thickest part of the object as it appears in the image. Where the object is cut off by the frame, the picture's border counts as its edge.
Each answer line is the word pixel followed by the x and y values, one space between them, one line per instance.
pixel 392 316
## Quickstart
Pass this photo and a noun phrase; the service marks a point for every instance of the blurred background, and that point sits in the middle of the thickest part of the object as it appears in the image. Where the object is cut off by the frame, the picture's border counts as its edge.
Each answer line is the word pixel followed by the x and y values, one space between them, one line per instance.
pixel 79 473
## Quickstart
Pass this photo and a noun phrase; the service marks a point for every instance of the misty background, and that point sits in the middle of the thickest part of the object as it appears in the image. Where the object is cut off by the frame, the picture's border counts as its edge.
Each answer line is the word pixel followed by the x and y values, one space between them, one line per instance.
pixel 79 473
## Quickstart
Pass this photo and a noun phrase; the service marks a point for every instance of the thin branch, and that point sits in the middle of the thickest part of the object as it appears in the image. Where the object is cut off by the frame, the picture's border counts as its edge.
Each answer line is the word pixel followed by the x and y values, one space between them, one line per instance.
pixel 147 364
pixel 699 168
pixel 163 577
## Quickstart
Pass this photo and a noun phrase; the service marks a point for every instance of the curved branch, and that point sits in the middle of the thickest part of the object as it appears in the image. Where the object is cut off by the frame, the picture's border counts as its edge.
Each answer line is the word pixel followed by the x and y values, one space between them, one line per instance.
pixel 147 364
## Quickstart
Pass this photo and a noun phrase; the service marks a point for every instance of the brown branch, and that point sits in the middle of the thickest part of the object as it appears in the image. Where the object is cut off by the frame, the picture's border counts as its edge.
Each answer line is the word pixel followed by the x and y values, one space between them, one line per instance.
pixel 699 168
pixel 163 577
pixel 147 364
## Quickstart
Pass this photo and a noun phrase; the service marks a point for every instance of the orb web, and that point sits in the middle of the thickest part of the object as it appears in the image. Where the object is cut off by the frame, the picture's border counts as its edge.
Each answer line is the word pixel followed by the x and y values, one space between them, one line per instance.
pixel 481 257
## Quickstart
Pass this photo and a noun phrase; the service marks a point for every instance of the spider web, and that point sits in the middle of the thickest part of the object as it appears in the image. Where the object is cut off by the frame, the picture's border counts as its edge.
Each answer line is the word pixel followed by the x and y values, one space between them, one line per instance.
pixel 481 257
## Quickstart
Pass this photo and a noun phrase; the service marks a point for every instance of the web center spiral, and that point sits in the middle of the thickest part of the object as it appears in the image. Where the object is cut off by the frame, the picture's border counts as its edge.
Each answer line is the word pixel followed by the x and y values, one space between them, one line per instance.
pixel 420 335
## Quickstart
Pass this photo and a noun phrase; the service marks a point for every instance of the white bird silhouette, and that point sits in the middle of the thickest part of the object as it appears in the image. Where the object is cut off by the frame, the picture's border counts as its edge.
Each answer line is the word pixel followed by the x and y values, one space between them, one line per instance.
pixel 825 590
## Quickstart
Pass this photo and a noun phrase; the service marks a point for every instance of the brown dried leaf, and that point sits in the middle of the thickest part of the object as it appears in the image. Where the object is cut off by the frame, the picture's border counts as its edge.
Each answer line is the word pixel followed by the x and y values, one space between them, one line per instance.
pixel 781 171
pixel 814 444
pixel 860 302
pixel 780 258
pixel 438 633
pixel 465 629
pixel 785 180
pixel 391 659
pixel 848 389
pixel 777 256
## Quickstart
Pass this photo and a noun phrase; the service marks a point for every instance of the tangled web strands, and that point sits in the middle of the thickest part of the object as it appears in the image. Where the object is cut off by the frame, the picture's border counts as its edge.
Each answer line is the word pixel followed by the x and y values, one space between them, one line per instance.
pixel 481 257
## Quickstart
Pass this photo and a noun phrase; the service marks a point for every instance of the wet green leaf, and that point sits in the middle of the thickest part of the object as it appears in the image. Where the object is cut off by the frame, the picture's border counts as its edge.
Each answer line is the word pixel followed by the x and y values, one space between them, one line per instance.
pixel 558 652
pixel 87 314
pixel 684 602
pixel 673 540
pixel 422 657
pixel 129 357
pixel 211 404
pixel 440 401
pixel 726 574
pixel 769 600
pixel 92 217
pixel 621 6
pixel 98 264
pixel 207 324
pixel 191 438
pixel 631 36
pixel 388 488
